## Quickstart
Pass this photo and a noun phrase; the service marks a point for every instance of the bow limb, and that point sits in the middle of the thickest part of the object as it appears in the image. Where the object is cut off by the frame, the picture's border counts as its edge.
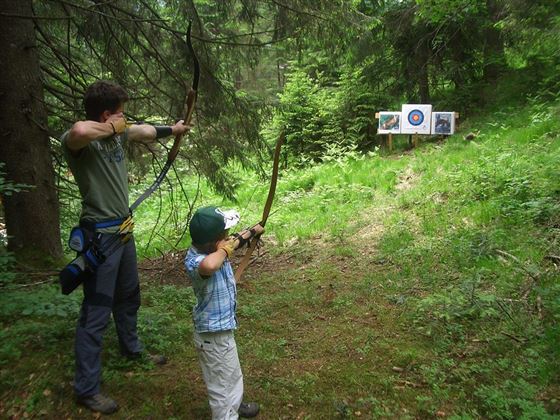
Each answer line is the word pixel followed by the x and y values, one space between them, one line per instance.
pixel 268 205
pixel 190 102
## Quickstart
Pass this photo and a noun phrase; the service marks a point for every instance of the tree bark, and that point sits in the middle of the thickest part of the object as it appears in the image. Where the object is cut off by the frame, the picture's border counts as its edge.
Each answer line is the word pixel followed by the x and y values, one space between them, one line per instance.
pixel 494 56
pixel 422 61
pixel 422 55
pixel 32 217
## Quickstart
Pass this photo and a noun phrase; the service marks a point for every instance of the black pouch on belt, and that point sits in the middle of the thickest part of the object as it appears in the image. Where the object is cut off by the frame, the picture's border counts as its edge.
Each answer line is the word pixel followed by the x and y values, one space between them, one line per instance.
pixel 89 257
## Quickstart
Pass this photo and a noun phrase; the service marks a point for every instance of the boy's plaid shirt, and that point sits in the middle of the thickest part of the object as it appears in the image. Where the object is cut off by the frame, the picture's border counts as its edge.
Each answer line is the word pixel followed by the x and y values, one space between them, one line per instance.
pixel 216 296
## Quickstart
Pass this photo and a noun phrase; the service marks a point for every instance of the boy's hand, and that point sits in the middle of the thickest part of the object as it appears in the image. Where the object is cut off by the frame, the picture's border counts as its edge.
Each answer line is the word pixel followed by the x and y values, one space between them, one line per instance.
pixel 227 245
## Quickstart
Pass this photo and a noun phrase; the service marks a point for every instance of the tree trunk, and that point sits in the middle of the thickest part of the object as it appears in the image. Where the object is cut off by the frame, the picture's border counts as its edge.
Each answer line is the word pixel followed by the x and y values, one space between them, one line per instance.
pixel 422 60
pixel 494 57
pixel 32 217
pixel 459 57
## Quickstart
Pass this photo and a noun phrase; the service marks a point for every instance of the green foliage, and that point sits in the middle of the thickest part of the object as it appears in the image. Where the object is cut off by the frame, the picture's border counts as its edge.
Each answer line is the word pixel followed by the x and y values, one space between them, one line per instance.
pixel 359 98
pixel 515 399
pixel 437 11
pixel 7 263
pixel 325 120
pixel 34 320
pixel 309 118
pixel 8 187
pixel 7 259
pixel 42 302
pixel 157 318
pixel 450 53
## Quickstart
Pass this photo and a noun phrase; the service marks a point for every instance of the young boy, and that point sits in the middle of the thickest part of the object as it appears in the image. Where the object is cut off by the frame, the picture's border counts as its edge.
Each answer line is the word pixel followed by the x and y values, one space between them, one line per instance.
pixel 208 265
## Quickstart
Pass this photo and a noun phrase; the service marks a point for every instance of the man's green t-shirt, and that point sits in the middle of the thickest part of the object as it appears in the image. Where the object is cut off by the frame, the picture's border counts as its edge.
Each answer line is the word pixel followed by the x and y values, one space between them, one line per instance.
pixel 101 173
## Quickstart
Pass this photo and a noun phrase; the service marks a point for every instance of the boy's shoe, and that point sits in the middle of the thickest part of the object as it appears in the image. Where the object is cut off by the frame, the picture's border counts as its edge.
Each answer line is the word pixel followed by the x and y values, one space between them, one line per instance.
pixel 156 359
pixel 99 403
pixel 248 410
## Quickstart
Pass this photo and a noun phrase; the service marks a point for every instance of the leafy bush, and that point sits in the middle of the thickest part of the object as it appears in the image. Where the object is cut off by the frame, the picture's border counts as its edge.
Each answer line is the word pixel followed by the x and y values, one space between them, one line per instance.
pixel 7 261
pixel 44 302
pixel 37 319
pixel 325 119
pixel 514 399
pixel 443 312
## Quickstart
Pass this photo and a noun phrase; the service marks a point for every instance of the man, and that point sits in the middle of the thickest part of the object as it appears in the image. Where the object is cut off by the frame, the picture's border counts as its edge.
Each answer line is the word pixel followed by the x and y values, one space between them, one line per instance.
pixel 95 154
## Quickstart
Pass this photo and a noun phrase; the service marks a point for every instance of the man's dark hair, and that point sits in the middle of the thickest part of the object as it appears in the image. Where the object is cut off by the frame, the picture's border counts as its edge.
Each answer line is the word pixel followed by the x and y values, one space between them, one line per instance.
pixel 101 96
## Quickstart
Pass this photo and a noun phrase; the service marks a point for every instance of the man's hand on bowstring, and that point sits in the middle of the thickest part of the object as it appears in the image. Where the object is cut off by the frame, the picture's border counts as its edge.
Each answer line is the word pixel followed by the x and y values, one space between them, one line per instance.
pixel 118 122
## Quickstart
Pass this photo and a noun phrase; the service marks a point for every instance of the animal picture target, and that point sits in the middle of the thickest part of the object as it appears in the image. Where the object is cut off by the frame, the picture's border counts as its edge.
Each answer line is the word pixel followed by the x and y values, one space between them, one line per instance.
pixel 443 123
pixel 389 122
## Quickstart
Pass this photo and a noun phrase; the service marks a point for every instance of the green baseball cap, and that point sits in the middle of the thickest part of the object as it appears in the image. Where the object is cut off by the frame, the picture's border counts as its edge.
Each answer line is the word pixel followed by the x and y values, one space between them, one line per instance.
pixel 208 223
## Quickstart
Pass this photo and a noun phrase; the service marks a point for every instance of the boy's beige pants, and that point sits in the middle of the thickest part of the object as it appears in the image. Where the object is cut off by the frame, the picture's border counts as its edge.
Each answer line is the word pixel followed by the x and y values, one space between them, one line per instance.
pixel 217 355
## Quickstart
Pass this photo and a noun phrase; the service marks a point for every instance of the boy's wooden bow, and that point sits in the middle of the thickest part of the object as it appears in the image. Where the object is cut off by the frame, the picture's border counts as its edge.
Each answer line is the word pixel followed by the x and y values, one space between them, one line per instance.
pixel 268 205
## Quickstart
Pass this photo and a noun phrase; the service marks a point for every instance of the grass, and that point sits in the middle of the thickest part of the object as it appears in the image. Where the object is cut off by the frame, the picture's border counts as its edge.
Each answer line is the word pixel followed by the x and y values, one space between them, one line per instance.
pixel 416 285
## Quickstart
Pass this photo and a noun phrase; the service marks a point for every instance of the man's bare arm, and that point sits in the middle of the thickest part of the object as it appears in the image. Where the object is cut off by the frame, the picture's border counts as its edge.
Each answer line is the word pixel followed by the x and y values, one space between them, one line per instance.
pixel 84 132
pixel 148 133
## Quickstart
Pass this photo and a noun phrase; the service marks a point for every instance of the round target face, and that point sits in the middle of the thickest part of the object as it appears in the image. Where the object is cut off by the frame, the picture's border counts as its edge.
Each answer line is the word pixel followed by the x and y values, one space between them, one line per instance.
pixel 416 117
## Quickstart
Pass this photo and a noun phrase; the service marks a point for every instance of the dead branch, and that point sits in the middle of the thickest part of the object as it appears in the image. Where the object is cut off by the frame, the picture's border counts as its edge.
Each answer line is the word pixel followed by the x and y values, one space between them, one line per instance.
pixel 554 258
pixel 534 277
pixel 519 340
pixel 519 263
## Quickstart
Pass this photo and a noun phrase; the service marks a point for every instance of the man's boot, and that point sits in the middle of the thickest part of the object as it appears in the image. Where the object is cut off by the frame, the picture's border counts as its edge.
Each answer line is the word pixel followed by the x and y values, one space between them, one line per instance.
pixel 99 403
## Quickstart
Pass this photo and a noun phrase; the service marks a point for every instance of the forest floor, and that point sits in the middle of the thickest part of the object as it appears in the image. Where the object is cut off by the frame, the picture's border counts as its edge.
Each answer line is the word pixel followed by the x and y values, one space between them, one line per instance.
pixel 431 291
pixel 321 335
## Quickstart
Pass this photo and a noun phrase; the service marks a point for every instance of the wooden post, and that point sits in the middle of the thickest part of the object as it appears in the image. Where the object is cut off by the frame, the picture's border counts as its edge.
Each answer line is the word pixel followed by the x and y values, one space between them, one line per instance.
pixel 415 137
pixel 390 142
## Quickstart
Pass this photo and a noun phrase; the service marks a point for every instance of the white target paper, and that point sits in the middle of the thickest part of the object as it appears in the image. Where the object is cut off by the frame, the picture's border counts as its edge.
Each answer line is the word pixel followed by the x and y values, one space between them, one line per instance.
pixel 416 119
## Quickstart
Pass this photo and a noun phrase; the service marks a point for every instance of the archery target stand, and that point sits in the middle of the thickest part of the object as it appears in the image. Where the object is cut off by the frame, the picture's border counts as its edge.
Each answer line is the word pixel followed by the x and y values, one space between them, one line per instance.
pixel 415 120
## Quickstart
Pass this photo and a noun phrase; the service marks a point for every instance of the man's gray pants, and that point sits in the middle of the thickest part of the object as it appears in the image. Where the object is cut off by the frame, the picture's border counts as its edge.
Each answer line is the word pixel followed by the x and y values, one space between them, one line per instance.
pixel 114 288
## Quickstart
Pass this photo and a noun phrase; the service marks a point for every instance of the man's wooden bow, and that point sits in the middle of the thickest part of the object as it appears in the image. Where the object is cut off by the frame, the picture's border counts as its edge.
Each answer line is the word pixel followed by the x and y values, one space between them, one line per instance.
pixel 268 205
pixel 188 110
